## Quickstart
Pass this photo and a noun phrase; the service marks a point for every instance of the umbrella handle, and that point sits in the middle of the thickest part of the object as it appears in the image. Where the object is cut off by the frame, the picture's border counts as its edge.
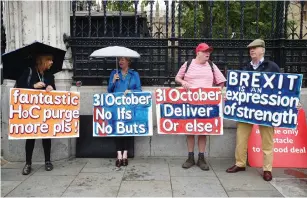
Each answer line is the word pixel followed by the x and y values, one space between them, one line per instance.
pixel 116 65
pixel 116 72
pixel 115 84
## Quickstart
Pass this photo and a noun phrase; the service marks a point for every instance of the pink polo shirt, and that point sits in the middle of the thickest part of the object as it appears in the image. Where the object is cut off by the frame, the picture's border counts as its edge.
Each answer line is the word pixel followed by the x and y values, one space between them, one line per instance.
pixel 200 75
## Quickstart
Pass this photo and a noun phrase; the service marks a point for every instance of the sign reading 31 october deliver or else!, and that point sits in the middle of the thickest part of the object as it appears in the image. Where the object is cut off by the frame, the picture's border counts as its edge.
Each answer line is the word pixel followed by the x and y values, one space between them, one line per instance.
pixel 116 114
pixel 197 111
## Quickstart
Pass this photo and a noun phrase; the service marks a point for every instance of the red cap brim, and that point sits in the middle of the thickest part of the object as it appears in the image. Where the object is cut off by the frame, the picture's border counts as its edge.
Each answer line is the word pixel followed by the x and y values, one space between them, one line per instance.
pixel 210 49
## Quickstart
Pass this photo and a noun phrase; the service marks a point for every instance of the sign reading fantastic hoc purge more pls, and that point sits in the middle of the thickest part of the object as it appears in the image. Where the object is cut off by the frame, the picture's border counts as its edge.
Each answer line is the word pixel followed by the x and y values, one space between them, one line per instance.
pixel 116 114
pixel 197 111
pixel 37 114
pixel 265 98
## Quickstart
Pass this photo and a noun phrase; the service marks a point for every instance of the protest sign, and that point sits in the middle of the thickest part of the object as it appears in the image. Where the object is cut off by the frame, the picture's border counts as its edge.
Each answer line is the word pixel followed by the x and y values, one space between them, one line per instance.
pixel 37 114
pixel 263 98
pixel 290 146
pixel 116 114
pixel 197 111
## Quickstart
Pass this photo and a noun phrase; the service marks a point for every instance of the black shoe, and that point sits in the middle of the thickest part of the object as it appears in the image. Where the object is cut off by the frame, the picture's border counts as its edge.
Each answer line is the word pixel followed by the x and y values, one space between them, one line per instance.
pixel 201 162
pixel 48 166
pixel 27 169
pixel 125 162
pixel 189 162
pixel 118 163
pixel 235 169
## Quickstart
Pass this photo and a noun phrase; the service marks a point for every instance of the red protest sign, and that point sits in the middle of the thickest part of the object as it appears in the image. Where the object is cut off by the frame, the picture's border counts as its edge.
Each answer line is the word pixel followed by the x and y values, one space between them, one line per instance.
pixel 290 146
pixel 197 111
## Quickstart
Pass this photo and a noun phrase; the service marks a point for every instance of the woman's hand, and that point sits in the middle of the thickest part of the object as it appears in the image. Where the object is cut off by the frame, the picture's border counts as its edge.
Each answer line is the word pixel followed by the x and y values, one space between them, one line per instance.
pixel 115 77
pixel 49 88
pixel 39 85
pixel 127 91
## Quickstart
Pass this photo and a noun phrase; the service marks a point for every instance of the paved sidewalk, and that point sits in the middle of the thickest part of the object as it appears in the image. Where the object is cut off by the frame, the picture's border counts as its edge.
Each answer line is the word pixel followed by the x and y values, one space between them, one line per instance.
pixel 154 177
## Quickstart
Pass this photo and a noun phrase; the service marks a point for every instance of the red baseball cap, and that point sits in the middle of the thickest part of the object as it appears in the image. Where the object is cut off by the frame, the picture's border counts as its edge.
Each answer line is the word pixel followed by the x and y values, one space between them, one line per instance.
pixel 202 47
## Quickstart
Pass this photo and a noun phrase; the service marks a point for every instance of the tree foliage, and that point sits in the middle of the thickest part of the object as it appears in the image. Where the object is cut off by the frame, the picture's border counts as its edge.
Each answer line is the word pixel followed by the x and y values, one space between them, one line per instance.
pixel 125 6
pixel 240 22
pixel 120 5
pixel 219 16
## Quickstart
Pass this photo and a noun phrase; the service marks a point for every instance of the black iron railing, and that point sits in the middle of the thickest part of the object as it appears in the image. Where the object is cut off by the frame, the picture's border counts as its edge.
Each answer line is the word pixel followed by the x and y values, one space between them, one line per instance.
pixel 167 39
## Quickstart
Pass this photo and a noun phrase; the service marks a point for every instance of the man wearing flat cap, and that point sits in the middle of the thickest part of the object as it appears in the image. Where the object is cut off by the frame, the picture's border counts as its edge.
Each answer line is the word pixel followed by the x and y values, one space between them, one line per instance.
pixel 257 64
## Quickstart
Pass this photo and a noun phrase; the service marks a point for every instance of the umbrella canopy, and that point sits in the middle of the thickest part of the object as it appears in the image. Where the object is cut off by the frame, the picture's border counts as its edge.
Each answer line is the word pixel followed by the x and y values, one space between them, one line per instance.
pixel 15 62
pixel 115 51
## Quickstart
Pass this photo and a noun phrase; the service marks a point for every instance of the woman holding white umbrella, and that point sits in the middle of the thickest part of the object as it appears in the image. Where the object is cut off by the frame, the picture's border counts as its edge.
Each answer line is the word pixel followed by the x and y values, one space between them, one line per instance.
pixel 123 80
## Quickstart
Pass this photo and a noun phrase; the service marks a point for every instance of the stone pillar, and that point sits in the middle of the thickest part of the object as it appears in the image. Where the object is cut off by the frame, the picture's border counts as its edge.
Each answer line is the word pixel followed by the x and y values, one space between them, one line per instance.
pixel 47 22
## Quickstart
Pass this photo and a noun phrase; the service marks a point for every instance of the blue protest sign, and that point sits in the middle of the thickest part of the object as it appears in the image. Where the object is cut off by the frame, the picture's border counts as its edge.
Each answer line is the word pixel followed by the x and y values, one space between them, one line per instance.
pixel 263 98
pixel 116 114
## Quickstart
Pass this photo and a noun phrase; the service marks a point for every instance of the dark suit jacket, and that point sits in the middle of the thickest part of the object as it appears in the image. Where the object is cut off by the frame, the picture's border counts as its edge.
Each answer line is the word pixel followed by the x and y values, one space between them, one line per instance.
pixel 265 66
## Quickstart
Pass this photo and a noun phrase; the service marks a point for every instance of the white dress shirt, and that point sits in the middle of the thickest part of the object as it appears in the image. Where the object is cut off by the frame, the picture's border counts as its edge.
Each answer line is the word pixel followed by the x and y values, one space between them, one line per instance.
pixel 255 66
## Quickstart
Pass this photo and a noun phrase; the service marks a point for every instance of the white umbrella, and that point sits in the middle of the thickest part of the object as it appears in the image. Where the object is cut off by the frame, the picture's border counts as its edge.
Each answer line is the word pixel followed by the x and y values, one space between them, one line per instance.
pixel 115 51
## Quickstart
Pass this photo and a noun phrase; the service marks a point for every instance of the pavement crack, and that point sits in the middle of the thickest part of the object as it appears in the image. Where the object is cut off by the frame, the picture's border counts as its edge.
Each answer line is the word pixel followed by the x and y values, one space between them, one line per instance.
pixel 121 181
pixel 218 179
pixel 170 179
pixel 150 141
pixel 73 180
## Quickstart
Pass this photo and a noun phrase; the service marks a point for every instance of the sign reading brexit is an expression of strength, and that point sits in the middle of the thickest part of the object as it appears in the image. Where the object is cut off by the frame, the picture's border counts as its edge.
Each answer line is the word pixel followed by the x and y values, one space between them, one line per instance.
pixel 263 98
pixel 197 111
pixel 116 114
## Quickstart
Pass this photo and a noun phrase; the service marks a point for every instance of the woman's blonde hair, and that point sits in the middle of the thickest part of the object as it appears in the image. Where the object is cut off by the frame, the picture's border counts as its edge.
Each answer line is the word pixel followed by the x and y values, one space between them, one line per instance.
pixel 42 58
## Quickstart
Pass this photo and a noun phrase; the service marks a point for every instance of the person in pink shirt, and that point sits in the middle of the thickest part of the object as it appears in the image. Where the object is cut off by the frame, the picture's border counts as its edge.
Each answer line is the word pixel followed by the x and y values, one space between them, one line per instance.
pixel 199 74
